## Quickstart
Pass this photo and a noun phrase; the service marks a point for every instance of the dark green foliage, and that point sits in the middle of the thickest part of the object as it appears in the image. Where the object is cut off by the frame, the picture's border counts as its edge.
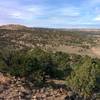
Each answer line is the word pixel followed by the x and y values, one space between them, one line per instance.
pixel 39 61
pixel 84 78
pixel 36 61
pixel 82 72
pixel 96 62
pixel 12 61
pixel 62 61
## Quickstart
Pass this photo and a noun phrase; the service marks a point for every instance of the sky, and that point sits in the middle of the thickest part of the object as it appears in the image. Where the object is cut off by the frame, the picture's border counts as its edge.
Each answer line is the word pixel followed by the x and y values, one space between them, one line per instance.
pixel 51 13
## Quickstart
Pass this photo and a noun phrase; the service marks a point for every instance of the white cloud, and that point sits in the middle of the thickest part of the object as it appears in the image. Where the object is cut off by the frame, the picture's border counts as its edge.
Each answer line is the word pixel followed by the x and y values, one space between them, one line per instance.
pixel 42 14
pixel 22 15
pixel 16 15
pixel 92 3
pixel 97 18
pixel 95 1
pixel 22 12
pixel 70 11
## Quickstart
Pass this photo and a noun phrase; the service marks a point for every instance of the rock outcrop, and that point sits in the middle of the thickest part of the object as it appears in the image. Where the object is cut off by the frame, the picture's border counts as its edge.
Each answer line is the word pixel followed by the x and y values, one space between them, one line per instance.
pixel 12 88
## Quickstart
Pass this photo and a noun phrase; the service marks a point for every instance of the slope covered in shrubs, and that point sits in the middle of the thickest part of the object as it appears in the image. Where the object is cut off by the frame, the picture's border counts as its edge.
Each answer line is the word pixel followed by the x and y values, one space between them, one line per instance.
pixel 81 73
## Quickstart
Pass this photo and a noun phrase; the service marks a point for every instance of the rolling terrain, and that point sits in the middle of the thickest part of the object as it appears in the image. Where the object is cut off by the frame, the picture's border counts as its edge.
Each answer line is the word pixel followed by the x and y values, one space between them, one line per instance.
pixel 48 64
pixel 78 41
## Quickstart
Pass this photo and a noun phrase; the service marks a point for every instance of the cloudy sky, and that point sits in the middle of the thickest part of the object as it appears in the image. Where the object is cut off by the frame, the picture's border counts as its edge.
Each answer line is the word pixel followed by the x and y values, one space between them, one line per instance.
pixel 51 13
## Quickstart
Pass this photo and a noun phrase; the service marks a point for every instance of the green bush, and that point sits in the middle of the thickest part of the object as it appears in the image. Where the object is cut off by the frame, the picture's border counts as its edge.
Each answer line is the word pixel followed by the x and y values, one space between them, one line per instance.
pixel 83 78
pixel 81 72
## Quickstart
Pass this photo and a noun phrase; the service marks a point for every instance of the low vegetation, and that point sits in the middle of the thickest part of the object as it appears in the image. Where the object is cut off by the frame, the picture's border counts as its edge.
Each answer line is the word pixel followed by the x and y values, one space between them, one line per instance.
pixel 81 73
pixel 38 55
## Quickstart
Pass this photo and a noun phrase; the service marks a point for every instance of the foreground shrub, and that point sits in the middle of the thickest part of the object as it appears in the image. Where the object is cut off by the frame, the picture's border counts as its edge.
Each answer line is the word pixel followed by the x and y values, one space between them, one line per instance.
pixel 82 73
pixel 83 78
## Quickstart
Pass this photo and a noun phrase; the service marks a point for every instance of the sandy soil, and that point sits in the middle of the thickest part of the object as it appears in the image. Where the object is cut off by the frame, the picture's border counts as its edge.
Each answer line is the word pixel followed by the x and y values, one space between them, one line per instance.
pixel 93 52
pixel 96 50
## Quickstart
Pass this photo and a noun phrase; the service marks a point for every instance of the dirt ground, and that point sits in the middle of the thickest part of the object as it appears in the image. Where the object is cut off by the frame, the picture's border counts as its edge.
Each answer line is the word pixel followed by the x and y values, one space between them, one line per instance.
pixel 93 52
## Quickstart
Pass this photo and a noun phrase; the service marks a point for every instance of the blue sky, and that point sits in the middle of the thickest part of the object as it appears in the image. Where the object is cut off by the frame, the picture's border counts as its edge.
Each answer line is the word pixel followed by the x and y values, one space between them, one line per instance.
pixel 51 13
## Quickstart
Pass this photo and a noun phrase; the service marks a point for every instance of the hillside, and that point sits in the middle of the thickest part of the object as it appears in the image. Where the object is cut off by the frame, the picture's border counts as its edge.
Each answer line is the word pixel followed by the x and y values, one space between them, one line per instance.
pixel 13 27
pixel 80 41
pixel 48 64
